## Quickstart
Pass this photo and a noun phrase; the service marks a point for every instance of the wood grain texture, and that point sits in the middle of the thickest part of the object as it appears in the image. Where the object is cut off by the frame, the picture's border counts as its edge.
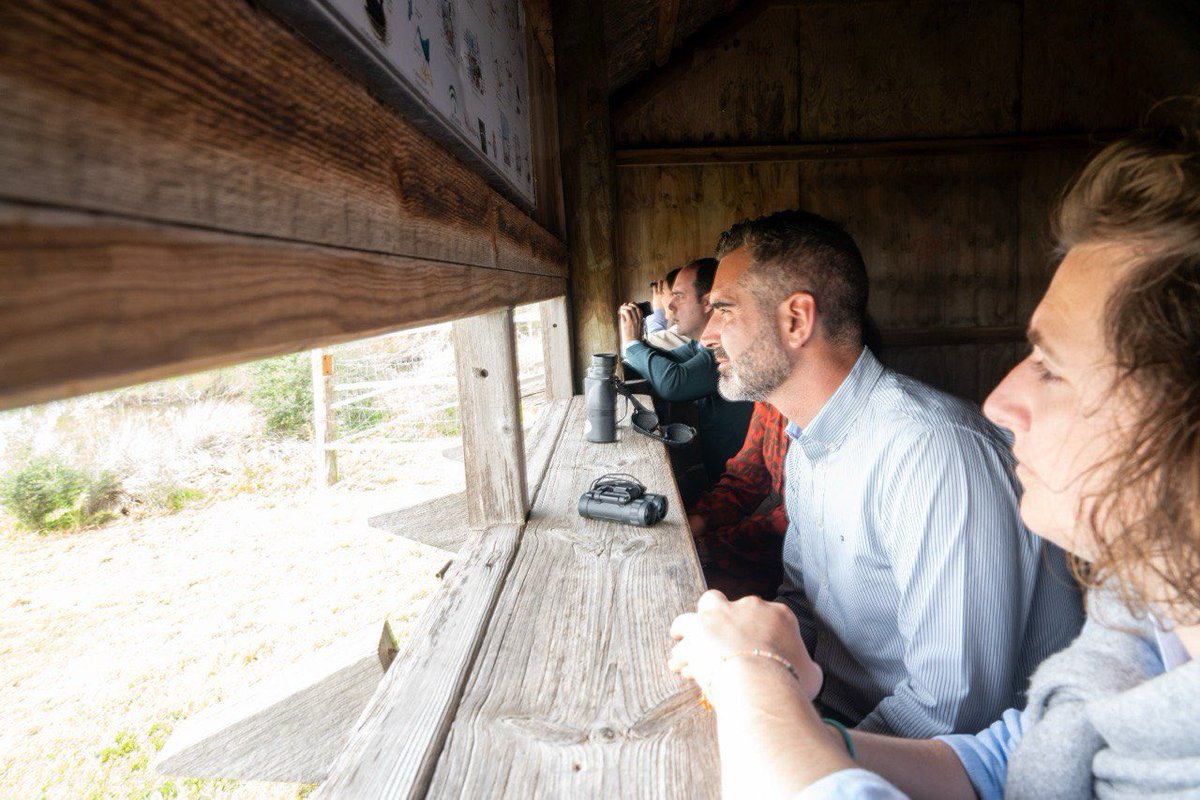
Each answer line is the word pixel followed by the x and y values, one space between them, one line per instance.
pixel 443 523
pixel 664 31
pixel 728 95
pixel 91 302
pixel 670 215
pixel 539 23
pixel 969 371
pixel 939 235
pixel 288 727
pixel 1044 178
pixel 570 695
pixel 630 34
pixel 585 139
pixel 1096 64
pixel 543 128
pixel 721 23
pixel 396 742
pixel 556 348
pixel 665 155
pixel 489 396
pixel 897 70
pixel 216 116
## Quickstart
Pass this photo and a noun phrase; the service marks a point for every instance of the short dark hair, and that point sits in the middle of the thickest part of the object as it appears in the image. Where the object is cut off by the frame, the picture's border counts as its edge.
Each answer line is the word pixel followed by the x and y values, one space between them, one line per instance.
pixel 706 273
pixel 792 251
pixel 671 276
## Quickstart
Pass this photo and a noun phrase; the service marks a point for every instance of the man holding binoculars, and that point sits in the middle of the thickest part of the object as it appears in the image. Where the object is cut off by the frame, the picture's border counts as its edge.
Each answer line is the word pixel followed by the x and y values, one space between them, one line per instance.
pixel 689 372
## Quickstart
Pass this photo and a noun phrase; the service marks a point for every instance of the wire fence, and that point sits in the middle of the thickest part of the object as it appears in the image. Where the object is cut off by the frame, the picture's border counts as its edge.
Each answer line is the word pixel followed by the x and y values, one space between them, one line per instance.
pixel 393 392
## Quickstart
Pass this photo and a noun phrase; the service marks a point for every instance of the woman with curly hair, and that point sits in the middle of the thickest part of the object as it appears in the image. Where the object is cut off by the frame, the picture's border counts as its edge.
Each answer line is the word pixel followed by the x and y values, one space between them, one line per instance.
pixel 1105 412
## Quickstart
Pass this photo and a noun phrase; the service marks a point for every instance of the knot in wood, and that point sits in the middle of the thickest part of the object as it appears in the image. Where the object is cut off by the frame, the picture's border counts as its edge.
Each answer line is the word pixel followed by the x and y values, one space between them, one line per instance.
pixel 481 372
pixel 606 734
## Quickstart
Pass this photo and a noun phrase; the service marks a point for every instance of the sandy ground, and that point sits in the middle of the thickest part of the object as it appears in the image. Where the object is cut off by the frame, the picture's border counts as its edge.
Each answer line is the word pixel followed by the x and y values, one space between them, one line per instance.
pixel 111 636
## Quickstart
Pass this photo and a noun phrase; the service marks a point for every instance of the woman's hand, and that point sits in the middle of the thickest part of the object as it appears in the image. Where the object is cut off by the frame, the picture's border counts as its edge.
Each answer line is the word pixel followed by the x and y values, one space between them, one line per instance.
pixel 718 629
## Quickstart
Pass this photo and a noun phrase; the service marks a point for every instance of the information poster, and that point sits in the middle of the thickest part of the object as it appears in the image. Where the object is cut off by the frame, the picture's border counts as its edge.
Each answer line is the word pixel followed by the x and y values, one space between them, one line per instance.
pixel 465 59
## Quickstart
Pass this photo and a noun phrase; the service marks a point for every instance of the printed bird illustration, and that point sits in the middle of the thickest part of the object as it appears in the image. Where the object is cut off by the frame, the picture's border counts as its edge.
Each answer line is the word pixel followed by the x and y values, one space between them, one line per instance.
pixel 424 44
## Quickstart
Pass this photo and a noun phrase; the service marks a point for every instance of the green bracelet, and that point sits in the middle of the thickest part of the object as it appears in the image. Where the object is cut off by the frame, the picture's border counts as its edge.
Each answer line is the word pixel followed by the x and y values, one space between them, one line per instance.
pixel 840 728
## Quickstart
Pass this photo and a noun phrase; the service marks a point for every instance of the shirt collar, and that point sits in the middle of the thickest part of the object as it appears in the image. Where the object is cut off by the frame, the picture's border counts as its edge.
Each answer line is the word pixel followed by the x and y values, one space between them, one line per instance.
pixel 835 419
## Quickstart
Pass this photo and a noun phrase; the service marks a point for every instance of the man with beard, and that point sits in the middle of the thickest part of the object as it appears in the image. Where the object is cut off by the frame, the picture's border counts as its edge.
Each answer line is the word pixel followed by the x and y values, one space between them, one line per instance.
pixel 689 372
pixel 915 586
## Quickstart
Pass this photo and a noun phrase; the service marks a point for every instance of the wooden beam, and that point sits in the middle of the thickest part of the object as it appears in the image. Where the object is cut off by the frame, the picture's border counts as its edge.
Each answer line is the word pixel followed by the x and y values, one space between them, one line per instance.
pixel 692 54
pixel 538 21
pixel 664 32
pixel 396 743
pixel 95 302
pixel 556 348
pixel 214 115
pixel 570 695
pixel 585 137
pixel 290 726
pixel 845 151
pixel 489 399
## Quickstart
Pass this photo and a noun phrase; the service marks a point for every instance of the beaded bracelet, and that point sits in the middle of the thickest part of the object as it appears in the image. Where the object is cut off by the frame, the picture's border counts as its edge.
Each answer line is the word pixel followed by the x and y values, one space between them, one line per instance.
pixel 764 654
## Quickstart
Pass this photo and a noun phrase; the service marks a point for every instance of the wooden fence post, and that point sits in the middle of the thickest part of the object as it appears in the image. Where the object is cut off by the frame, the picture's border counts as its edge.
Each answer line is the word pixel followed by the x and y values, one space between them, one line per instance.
pixel 324 418
pixel 489 397
pixel 556 349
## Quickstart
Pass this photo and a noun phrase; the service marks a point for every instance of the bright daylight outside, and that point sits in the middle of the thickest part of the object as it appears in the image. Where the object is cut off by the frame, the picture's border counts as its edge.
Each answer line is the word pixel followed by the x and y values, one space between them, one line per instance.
pixel 167 546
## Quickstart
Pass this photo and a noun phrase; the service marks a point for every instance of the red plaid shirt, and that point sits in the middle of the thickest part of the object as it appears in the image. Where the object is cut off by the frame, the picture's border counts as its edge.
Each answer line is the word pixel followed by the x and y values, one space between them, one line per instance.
pixel 733 533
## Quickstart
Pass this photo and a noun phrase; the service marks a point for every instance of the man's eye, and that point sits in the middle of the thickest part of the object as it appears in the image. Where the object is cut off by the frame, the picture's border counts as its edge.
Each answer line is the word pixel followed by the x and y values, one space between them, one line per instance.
pixel 1044 374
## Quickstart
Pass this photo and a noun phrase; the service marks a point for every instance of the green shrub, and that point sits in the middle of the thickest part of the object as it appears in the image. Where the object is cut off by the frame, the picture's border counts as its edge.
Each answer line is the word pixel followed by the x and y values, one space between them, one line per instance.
pixel 282 393
pixel 49 494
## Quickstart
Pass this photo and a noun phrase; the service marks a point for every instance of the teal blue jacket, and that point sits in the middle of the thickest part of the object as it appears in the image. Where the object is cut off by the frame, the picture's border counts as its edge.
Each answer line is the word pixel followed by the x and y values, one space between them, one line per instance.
pixel 690 373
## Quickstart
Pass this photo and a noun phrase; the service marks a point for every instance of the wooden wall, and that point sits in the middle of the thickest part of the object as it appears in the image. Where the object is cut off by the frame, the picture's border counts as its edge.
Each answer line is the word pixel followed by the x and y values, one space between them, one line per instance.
pixel 981 102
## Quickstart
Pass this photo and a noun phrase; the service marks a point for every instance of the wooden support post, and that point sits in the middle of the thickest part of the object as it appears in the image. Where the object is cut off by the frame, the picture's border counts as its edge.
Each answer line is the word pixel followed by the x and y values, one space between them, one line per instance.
pixel 489 396
pixel 324 418
pixel 556 349
pixel 585 139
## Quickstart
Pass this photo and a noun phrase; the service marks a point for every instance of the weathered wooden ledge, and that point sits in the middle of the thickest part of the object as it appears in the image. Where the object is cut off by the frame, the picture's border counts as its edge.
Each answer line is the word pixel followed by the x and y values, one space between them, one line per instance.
pixel 540 669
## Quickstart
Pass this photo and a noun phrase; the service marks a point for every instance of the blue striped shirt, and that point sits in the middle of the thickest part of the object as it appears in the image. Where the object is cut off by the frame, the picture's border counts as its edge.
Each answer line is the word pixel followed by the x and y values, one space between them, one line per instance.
pixel 918 591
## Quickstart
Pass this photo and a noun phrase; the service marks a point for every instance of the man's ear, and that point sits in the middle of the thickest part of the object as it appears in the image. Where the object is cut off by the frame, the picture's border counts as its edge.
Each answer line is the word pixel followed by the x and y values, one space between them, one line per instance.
pixel 798 319
pixel 704 302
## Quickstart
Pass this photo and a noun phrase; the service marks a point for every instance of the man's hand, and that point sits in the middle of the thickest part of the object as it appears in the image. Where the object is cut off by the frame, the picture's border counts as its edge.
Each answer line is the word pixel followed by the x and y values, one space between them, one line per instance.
pixel 630 320
pixel 720 630
pixel 660 295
